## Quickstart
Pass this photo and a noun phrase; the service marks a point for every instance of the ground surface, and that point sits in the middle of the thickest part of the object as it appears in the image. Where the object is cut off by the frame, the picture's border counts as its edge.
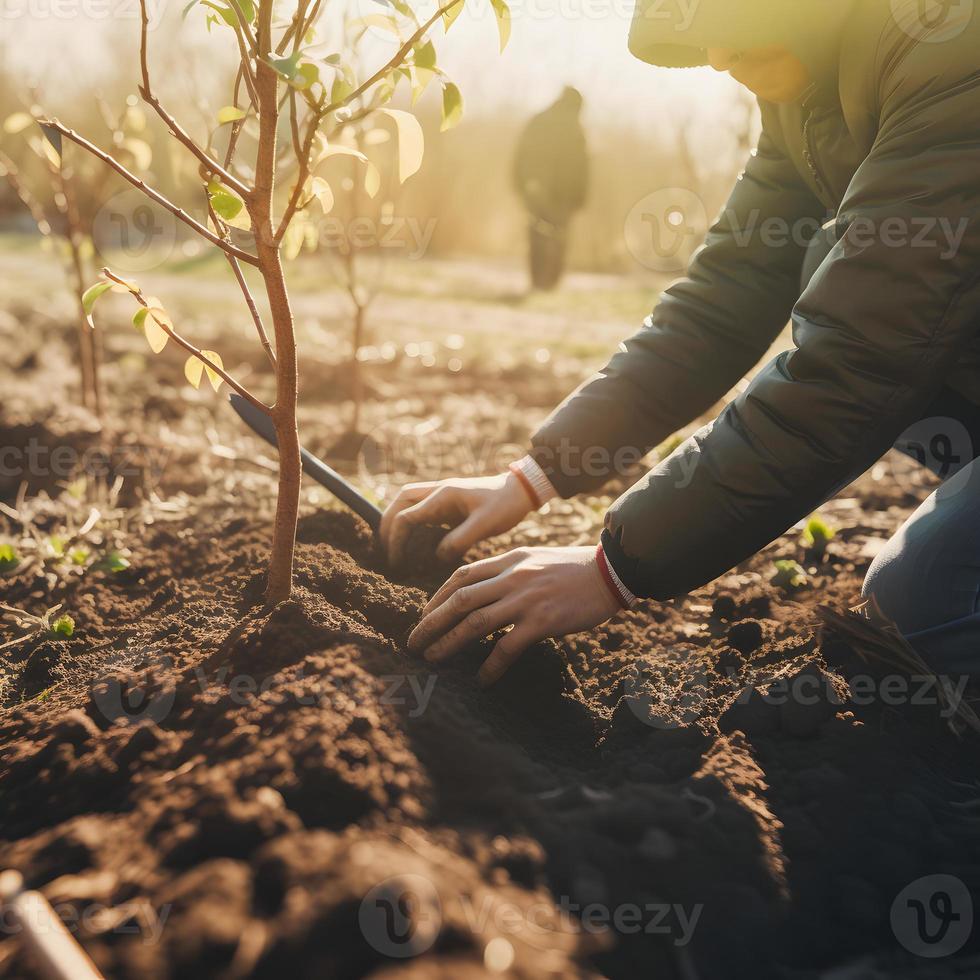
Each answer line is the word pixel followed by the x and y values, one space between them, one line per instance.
pixel 206 790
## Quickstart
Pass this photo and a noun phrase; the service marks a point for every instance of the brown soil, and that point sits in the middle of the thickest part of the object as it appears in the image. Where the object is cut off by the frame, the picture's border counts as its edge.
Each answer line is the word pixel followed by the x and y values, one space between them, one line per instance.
pixel 209 790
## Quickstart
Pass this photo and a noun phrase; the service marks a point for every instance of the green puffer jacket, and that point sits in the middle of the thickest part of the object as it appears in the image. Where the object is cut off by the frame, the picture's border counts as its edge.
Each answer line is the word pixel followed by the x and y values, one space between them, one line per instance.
pixel 886 143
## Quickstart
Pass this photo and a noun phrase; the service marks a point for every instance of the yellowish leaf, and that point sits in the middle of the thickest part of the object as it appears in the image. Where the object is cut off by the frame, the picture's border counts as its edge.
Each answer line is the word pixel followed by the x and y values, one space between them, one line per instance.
pixel 230 113
pixel 449 17
pixel 213 375
pixel 411 142
pixel 17 123
pixel 320 189
pixel 193 369
pixel 140 149
pixel 156 325
pixel 502 12
pixel 372 180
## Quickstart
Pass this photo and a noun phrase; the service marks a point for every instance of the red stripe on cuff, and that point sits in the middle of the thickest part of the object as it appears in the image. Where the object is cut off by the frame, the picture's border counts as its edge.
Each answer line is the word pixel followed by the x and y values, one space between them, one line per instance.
pixel 607 577
pixel 526 483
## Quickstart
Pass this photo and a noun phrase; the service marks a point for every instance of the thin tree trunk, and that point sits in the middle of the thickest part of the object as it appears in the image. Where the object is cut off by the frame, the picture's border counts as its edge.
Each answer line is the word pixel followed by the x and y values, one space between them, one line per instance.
pixel 87 346
pixel 280 580
pixel 357 378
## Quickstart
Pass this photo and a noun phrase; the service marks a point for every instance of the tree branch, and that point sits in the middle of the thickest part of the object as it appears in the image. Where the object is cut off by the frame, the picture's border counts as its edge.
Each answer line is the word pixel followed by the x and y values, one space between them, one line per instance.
pixel 303 158
pixel 8 169
pixel 151 193
pixel 179 133
pixel 400 55
pixel 188 346
pixel 249 298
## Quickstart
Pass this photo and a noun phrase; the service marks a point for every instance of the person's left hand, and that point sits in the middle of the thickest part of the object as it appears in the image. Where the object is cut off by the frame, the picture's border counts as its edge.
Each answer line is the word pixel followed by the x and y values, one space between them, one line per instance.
pixel 541 592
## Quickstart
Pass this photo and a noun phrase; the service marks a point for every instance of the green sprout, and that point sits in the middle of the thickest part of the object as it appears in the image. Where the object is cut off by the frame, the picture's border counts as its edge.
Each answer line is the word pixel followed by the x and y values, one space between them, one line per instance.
pixel 9 559
pixel 789 575
pixel 63 626
pixel 817 535
pixel 113 562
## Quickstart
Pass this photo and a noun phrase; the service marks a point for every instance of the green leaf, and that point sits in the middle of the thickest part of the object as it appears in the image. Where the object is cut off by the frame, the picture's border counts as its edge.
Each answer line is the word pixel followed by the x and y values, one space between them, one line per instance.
pixel 286 67
pixel 502 13
pixel 230 113
pixel 340 90
pixel 90 297
pixel 306 75
pixel 63 626
pixel 817 535
pixel 789 575
pixel 226 205
pixel 139 317
pixel 113 562
pixel 452 106
pixel 226 14
pixel 425 55
pixel 57 545
pixel 78 556
pixel 9 559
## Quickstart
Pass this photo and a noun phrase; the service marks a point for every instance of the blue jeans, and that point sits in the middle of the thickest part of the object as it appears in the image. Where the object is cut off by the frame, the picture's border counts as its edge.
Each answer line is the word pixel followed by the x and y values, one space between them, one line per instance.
pixel 927 578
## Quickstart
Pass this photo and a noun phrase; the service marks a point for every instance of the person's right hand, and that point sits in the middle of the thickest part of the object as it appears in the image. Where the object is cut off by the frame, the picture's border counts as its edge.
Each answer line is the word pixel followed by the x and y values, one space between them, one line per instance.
pixel 476 508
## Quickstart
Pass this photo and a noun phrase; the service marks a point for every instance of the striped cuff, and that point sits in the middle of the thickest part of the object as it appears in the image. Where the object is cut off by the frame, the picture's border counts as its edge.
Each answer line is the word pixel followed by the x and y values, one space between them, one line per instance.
pixel 614 583
pixel 532 478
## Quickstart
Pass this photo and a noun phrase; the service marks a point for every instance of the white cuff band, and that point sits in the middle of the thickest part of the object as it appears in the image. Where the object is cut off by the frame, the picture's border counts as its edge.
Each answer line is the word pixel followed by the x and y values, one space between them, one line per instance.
pixel 535 476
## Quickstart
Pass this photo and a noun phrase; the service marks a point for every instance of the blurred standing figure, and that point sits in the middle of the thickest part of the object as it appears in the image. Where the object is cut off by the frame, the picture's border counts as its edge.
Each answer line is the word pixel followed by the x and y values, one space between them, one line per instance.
pixel 551 174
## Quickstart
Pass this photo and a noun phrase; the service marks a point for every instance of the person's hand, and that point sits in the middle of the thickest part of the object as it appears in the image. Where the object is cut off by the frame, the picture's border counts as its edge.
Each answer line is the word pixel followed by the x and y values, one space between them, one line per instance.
pixel 541 592
pixel 476 508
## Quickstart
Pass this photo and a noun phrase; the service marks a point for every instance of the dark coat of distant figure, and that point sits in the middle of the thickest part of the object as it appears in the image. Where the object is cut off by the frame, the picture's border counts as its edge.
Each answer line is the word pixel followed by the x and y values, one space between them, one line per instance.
pixel 551 174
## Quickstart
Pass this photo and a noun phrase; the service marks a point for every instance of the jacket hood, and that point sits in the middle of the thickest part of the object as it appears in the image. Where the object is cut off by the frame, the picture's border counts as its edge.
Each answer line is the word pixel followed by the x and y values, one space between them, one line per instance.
pixel 677 33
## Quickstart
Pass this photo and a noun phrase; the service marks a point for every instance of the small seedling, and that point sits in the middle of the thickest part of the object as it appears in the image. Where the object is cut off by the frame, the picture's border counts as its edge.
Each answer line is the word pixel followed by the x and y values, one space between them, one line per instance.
pixel 113 562
pixel 33 626
pixel 789 575
pixel 817 535
pixel 63 626
pixel 9 559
